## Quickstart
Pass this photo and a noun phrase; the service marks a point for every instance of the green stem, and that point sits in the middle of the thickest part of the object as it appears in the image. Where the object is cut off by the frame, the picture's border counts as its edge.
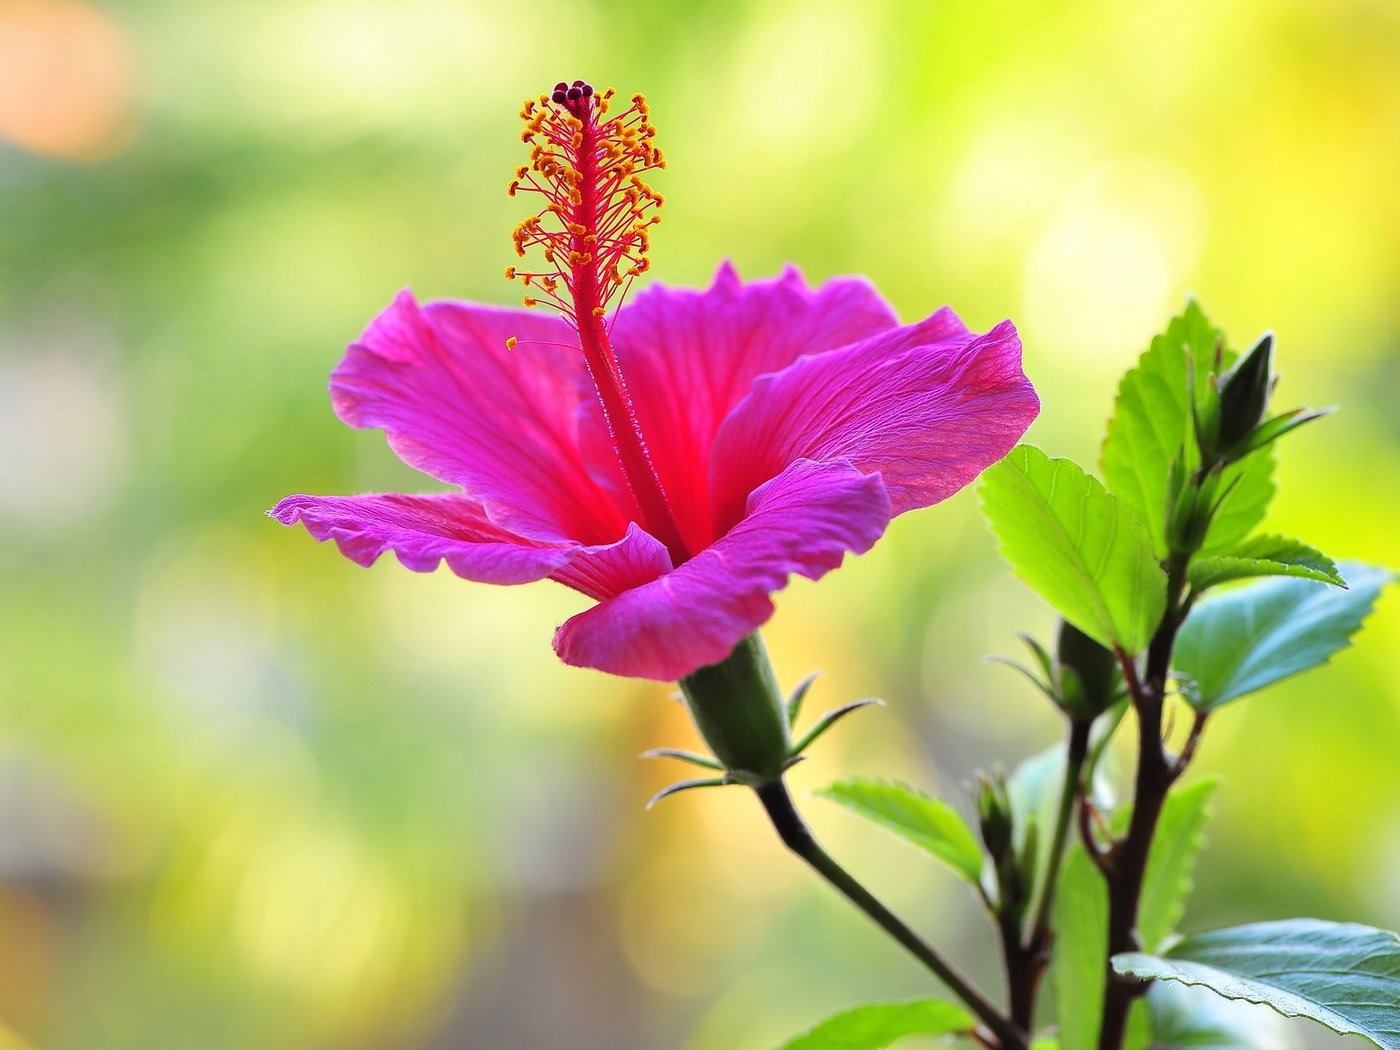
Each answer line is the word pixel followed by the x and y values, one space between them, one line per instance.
pixel 1026 952
pixel 795 834
pixel 1076 752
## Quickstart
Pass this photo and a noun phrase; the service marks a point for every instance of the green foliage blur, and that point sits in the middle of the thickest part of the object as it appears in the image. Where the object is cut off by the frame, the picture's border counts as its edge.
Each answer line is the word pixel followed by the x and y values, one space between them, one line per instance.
pixel 252 796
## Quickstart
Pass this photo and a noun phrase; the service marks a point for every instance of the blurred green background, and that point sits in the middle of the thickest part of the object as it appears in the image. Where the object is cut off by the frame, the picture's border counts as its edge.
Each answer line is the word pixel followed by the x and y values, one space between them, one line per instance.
pixel 252 796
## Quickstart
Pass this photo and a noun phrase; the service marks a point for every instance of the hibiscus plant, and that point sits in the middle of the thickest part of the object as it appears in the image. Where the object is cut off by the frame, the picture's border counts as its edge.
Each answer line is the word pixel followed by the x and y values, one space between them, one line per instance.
pixel 677 456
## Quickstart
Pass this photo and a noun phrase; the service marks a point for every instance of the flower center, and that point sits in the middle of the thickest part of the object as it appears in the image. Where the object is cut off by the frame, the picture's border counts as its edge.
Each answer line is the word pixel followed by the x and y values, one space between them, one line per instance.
pixel 594 232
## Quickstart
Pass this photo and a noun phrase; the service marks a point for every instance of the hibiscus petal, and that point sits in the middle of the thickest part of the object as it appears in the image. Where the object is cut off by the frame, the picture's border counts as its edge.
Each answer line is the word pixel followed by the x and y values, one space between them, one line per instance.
pixel 604 571
pixel 928 406
pixel 802 521
pixel 503 424
pixel 422 531
pixel 689 356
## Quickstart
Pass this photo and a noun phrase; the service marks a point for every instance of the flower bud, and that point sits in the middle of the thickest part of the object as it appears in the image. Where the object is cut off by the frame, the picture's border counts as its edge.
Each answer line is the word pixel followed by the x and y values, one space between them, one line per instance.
pixel 994 817
pixel 740 712
pixel 1244 393
pixel 1190 513
pixel 1090 677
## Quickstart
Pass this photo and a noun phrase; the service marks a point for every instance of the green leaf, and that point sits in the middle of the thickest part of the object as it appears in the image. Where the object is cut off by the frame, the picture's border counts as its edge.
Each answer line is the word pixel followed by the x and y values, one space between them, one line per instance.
pixel 1081 909
pixel 1152 418
pixel 1034 791
pixel 1076 545
pixel 1179 838
pixel 1187 1018
pixel 1138 1031
pixel 1264 556
pixel 1249 488
pixel 1342 975
pixel 1033 788
pixel 927 822
pixel 880 1025
pixel 1081 950
pixel 1237 642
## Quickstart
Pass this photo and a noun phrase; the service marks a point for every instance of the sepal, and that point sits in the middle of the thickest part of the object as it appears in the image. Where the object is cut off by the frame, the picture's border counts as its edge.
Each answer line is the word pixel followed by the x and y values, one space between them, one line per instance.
pixel 795 698
pixel 1270 431
pixel 692 757
pixel 1082 678
pixel 826 722
pixel 688 785
pixel 740 713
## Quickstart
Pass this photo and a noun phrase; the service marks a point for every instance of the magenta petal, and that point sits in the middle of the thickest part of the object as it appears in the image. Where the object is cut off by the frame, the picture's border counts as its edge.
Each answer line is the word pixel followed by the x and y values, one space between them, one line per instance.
pixel 607 570
pixel 803 521
pixel 928 406
pixel 503 424
pixel 422 531
pixel 691 355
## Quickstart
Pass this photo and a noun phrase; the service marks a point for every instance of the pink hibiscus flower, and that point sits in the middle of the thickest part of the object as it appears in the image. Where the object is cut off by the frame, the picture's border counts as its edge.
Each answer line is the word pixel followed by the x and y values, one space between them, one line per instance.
pixel 678 460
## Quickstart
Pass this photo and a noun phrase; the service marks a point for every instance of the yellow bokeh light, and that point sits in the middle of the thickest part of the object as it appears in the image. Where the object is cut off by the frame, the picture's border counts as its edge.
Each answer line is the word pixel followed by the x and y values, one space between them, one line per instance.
pixel 66 79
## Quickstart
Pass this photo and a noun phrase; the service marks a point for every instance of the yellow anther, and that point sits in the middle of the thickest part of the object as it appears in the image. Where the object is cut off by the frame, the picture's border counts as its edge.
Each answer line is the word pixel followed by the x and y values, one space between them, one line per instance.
pixel 608 239
pixel 510 342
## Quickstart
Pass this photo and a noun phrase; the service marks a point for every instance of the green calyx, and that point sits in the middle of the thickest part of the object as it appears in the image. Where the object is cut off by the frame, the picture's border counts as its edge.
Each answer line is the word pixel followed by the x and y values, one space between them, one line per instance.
pixel 745 720
pixel 741 713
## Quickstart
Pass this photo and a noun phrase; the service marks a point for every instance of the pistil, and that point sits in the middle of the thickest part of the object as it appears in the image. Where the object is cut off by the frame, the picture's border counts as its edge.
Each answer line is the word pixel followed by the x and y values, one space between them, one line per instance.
pixel 594 231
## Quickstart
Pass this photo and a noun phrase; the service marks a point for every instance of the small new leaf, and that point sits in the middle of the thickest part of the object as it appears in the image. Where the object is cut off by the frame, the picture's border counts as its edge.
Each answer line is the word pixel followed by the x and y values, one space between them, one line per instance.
pixel 879 1025
pixel 1180 836
pixel 1342 975
pixel 927 822
pixel 1263 556
pixel 1077 545
pixel 1239 641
